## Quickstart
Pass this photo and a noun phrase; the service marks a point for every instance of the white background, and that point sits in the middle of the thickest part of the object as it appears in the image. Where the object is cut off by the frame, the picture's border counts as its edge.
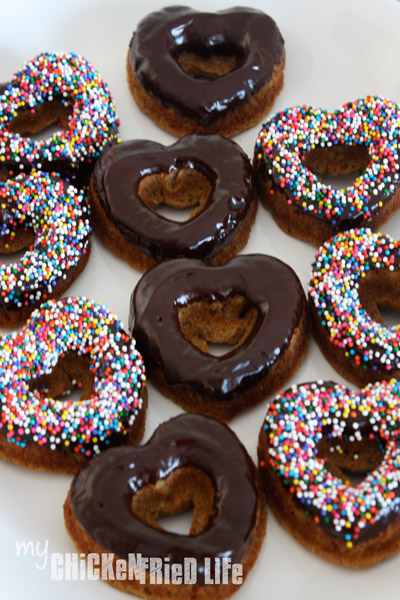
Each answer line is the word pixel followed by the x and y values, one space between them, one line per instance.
pixel 336 52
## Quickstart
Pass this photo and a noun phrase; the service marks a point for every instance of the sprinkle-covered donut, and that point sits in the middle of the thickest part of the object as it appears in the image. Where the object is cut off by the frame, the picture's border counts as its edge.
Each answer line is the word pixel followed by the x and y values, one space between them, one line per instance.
pixel 254 303
pixel 313 435
pixel 56 88
pixel 191 460
pixel 66 342
pixel 197 72
pixel 300 143
pixel 353 275
pixel 206 172
pixel 50 218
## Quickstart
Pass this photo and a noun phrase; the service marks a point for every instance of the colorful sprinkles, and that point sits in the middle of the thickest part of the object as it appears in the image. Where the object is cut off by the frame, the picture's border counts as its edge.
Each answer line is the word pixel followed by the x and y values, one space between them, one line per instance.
pixel 82 426
pixel 74 81
pixel 298 419
pixel 372 121
pixel 338 268
pixel 58 214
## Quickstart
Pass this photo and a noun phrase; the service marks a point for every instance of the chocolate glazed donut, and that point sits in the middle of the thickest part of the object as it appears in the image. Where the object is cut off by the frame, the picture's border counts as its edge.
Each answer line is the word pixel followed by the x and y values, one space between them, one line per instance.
pixel 255 303
pixel 210 173
pixel 114 503
pixel 206 72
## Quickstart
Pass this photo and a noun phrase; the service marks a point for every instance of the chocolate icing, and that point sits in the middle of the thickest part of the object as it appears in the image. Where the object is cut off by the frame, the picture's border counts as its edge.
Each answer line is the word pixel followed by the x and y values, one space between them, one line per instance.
pixel 101 493
pixel 120 169
pixel 267 284
pixel 250 35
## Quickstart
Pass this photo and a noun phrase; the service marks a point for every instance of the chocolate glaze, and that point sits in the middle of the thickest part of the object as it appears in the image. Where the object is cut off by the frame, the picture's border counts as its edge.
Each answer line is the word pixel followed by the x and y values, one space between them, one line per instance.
pixel 120 169
pixel 267 284
pixel 252 36
pixel 101 494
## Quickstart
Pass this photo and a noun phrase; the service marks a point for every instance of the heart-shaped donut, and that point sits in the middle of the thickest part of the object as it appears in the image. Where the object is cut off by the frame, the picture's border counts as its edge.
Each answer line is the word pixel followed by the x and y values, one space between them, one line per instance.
pixel 114 502
pixel 210 173
pixel 255 303
pixel 313 435
pixel 192 71
pixel 299 143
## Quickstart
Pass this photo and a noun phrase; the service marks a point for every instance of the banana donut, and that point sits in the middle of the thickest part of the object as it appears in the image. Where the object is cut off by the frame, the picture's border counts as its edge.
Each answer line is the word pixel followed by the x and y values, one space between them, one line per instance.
pixel 56 88
pixel 50 218
pixel 64 343
pixel 197 72
pixel 299 143
pixel 313 436
pixel 354 274
pixel 114 502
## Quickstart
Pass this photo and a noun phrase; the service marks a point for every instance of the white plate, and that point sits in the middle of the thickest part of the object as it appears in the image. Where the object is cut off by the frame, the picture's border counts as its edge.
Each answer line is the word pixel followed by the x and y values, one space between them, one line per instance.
pixel 336 52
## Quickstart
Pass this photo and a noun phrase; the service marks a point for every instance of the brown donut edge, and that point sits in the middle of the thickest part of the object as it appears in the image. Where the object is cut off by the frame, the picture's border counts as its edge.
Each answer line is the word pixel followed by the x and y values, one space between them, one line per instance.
pixel 86 544
pixel 241 118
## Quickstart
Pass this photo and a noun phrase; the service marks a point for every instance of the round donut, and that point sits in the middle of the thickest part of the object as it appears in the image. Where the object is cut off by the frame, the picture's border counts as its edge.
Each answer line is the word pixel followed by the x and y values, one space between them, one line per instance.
pixel 255 303
pixel 354 274
pixel 197 72
pixel 114 502
pixel 206 172
pixel 50 218
pixel 300 143
pixel 64 343
pixel 60 89
pixel 313 435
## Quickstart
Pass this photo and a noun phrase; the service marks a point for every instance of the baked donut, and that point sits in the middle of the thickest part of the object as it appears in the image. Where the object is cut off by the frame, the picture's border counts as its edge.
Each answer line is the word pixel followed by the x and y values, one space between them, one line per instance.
pixel 197 72
pixel 64 343
pixel 114 503
pixel 206 172
pixel 50 218
pixel 60 89
pixel 313 435
pixel 299 143
pixel 354 274
pixel 255 303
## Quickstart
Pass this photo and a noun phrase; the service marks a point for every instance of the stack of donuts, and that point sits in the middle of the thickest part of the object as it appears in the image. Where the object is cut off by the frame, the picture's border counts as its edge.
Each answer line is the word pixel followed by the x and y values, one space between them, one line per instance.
pixel 204 78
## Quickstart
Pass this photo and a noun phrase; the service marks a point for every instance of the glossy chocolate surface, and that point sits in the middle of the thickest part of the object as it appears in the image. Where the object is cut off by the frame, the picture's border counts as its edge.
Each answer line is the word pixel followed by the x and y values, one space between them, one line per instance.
pixel 248 34
pixel 101 494
pixel 121 168
pixel 267 284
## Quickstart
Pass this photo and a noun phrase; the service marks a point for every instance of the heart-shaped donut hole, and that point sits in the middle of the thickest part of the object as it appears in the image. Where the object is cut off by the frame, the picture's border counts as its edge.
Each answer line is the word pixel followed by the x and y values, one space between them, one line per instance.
pixel 351 461
pixel 208 67
pixel 338 166
pixel 178 195
pixel 71 378
pixel 215 326
pixel 42 121
pixel 379 293
pixel 184 488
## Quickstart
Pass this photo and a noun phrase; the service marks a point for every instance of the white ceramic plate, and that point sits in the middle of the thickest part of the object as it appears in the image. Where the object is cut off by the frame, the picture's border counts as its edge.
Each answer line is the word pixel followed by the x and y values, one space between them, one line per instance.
pixel 336 52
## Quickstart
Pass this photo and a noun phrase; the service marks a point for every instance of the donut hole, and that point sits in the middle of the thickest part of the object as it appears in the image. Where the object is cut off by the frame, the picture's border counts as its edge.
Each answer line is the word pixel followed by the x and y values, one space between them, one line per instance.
pixel 379 293
pixel 13 248
pixel 178 195
pixel 351 460
pixel 71 379
pixel 42 121
pixel 338 166
pixel 208 66
pixel 217 326
pixel 184 490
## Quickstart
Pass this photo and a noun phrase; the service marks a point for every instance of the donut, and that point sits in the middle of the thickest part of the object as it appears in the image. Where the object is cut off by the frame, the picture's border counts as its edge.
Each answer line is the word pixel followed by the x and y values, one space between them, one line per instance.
pixel 50 218
pixel 314 435
pixel 65 343
pixel 198 72
pixel 300 143
pixel 114 502
pixel 254 303
pixel 56 88
pixel 206 172
pixel 353 275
